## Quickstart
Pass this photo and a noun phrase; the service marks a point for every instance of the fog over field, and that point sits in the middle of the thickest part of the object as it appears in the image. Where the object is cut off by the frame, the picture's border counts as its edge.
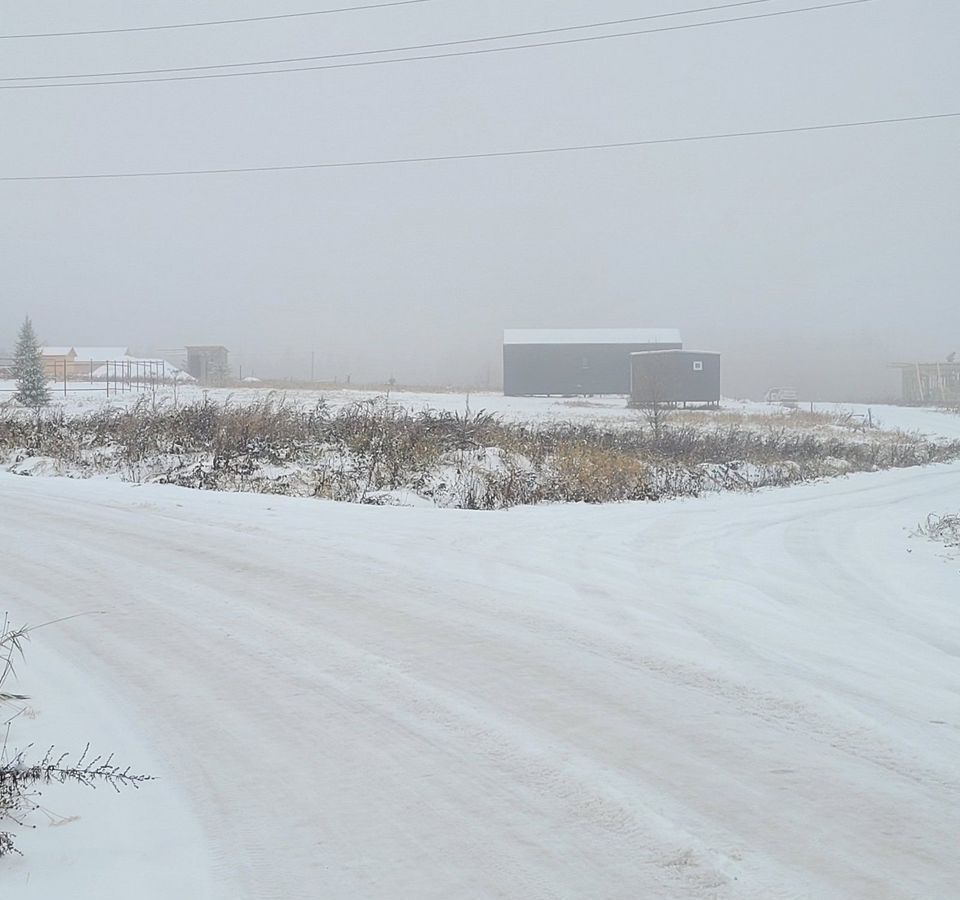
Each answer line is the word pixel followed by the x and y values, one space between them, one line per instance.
pixel 811 259
pixel 472 449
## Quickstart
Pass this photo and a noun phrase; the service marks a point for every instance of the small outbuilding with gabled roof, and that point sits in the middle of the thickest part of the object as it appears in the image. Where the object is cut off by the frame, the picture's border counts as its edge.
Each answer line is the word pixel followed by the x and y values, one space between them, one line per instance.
pixel 675 378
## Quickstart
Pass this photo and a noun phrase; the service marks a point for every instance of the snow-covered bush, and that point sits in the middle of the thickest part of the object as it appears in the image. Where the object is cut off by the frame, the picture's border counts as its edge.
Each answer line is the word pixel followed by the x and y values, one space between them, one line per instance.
pixel 375 451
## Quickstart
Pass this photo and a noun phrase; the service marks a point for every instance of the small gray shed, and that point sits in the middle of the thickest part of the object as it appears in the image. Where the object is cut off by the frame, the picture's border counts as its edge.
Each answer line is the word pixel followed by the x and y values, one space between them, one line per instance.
pixel 675 377
pixel 208 363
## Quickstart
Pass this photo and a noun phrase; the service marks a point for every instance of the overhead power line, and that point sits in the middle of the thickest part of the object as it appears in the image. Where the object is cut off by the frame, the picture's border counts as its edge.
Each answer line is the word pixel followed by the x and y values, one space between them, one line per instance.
pixel 496 154
pixel 406 59
pixel 299 15
pixel 400 49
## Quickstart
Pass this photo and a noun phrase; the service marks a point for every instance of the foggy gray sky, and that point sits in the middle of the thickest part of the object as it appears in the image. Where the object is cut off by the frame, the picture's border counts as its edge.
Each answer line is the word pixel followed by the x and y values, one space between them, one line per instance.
pixel 809 259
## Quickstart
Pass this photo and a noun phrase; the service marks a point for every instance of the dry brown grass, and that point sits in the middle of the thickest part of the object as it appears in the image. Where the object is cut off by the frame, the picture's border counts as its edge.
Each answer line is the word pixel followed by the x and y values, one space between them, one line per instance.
pixel 587 472
pixel 792 419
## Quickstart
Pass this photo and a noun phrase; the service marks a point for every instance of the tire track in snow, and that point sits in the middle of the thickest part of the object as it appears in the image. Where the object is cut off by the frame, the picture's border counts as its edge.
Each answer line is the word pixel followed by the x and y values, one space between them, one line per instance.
pixel 510 695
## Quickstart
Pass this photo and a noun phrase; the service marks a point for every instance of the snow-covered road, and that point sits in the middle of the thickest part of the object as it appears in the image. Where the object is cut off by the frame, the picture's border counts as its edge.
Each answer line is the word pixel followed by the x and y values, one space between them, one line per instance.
pixel 736 697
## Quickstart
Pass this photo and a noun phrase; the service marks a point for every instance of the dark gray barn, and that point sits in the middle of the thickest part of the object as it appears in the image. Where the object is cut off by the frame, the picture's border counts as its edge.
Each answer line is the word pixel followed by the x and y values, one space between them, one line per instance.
pixel 570 361
pixel 675 377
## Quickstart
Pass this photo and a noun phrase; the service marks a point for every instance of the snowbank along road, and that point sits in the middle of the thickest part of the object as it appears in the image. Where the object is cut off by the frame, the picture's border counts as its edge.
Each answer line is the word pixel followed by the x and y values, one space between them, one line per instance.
pixel 737 697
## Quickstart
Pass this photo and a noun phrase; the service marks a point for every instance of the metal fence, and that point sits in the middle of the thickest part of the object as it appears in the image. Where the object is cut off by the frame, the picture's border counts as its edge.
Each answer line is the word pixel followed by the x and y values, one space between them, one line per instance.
pixel 111 376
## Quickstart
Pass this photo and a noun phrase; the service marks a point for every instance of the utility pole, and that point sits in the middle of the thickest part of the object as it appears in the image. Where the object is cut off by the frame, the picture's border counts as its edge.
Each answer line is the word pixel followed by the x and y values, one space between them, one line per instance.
pixel 313 360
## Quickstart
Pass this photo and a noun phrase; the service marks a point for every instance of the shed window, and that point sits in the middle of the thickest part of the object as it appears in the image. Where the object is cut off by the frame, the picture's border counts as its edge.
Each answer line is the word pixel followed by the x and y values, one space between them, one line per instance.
pixel 698 365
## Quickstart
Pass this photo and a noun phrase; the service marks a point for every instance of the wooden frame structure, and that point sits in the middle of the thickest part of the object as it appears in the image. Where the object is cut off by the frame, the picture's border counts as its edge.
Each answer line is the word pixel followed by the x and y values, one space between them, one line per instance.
pixel 929 382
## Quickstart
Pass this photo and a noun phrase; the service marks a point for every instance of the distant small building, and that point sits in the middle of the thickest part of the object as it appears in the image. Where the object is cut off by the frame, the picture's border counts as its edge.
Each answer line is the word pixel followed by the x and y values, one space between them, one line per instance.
pixel 57 360
pixel 930 382
pixel 208 363
pixel 675 378
pixel 571 361
pixel 73 362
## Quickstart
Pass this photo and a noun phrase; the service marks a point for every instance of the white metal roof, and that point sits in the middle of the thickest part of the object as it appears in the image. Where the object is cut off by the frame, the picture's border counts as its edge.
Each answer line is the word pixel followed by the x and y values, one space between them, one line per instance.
pixel 100 354
pixel 591 336
pixel 87 354
pixel 684 351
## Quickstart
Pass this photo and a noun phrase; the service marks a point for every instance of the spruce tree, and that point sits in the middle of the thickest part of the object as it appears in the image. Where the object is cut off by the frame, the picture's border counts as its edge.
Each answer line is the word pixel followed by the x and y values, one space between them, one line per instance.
pixel 28 369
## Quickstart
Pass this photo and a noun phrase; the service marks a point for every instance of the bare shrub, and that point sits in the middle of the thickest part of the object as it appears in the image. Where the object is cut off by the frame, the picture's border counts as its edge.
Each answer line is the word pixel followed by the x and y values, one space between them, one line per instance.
pixel 375 451
pixel 19 777
pixel 945 529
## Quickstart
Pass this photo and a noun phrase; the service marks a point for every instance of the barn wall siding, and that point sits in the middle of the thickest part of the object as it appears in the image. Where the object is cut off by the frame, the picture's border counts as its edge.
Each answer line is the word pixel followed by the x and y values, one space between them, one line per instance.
pixel 570 369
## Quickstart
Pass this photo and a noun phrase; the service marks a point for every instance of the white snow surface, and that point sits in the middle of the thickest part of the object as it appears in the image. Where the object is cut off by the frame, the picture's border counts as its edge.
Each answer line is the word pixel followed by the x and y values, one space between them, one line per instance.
pixel 609 409
pixel 743 696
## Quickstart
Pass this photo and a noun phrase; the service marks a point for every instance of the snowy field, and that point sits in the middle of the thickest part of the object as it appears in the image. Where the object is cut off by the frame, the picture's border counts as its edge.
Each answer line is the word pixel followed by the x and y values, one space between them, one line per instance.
pixel 742 696
pixel 88 398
